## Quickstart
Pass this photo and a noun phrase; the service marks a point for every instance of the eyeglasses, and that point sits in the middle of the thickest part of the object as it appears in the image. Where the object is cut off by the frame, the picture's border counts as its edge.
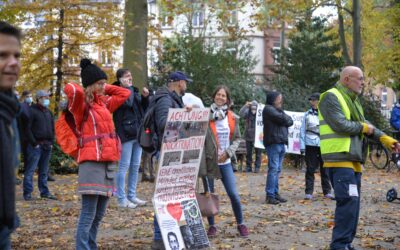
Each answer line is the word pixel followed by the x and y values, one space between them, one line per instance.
pixel 361 78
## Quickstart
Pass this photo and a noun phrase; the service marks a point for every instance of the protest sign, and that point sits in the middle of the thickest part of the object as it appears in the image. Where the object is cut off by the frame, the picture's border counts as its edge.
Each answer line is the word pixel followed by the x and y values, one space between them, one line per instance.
pixel 174 200
pixel 258 141
pixel 293 133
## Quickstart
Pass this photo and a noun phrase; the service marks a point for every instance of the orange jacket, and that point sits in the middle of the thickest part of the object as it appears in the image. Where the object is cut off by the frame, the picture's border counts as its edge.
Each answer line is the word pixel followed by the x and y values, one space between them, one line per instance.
pixel 231 123
pixel 99 121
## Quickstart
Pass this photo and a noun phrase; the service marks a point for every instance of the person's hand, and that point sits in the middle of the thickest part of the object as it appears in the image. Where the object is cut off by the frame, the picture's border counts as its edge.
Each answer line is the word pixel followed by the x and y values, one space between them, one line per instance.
pixel 188 108
pixel 371 129
pixel 396 147
pixel 145 92
pixel 248 104
pixel 223 157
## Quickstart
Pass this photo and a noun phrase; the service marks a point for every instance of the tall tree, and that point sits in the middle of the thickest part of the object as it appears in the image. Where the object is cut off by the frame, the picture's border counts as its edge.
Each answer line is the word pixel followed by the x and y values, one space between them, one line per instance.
pixel 65 31
pixel 135 40
pixel 310 64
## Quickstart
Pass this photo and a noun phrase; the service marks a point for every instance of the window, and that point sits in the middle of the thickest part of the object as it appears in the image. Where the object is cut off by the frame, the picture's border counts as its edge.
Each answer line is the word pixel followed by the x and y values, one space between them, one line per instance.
pixel 384 98
pixel 165 21
pixel 106 57
pixel 233 17
pixel 198 19
pixel 276 54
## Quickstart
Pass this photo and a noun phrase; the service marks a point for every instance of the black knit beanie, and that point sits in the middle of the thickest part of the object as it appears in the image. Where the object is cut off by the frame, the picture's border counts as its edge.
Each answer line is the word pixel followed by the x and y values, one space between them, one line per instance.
pixel 90 73
pixel 271 96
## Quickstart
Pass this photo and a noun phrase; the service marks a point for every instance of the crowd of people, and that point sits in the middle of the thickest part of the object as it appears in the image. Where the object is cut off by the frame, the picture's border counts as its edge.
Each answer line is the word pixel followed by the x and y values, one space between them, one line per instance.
pixel 107 116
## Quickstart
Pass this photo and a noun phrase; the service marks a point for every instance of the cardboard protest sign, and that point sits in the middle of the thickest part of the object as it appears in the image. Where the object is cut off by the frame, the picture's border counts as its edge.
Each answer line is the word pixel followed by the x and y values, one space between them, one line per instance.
pixel 293 133
pixel 258 141
pixel 174 200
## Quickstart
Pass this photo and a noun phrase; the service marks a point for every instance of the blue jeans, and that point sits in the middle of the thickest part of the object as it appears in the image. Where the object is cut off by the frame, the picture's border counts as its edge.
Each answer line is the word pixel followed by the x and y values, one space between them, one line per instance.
pixel 229 180
pixel 5 242
pixel 130 159
pixel 347 207
pixel 92 212
pixel 276 153
pixel 37 157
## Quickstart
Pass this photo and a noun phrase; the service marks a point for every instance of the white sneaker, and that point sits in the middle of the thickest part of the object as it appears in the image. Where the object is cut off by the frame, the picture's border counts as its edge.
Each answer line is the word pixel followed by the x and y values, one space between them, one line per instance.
pixel 127 204
pixel 138 201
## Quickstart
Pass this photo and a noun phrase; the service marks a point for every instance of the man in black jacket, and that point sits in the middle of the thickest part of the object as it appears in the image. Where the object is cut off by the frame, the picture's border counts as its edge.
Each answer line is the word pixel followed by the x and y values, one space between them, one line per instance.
pixel 276 124
pixel 10 65
pixel 40 133
pixel 166 97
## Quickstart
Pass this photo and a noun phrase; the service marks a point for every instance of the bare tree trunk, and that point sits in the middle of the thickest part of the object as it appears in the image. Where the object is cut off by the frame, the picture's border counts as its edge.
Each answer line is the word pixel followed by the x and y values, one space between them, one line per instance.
pixel 135 41
pixel 357 43
pixel 342 36
pixel 59 61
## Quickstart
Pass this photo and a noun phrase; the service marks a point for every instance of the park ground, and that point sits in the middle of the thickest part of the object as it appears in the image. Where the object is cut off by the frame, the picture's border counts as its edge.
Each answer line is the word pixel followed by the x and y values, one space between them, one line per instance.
pixel 297 224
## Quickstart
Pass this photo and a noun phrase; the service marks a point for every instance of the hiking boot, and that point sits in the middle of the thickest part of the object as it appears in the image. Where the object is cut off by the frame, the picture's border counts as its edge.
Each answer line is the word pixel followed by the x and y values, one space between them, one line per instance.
pixel 157 245
pixel 212 231
pixel 350 247
pixel 138 201
pixel 48 197
pixel 18 181
pixel 329 196
pixel 280 198
pixel 271 200
pixel 308 197
pixel 28 197
pixel 243 231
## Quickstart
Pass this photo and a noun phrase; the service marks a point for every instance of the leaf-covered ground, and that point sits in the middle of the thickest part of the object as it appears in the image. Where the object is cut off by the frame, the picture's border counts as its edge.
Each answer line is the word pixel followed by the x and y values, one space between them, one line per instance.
pixel 297 224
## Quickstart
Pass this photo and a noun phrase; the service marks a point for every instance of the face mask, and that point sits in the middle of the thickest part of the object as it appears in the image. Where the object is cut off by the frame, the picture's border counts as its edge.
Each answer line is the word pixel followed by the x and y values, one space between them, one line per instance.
pixel 253 111
pixel 28 100
pixel 46 102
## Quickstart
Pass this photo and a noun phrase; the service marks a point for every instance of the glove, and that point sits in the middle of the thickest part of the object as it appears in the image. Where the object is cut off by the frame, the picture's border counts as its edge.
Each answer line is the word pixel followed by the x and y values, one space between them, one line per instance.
pixel 302 151
pixel 387 141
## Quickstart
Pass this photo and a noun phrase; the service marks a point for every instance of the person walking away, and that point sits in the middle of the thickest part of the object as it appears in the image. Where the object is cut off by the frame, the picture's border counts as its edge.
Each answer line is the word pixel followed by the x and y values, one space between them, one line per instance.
pixel 276 124
pixel 127 119
pixel 99 148
pixel 309 146
pixel 344 148
pixel 249 113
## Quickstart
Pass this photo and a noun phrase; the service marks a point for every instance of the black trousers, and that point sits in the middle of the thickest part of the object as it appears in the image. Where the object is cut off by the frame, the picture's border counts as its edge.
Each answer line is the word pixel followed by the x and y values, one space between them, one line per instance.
pixel 314 161
pixel 249 156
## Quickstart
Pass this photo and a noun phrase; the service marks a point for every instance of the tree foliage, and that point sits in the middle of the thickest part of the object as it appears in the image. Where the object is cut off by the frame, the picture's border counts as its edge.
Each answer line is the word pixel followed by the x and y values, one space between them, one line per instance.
pixel 209 64
pixel 62 35
pixel 310 63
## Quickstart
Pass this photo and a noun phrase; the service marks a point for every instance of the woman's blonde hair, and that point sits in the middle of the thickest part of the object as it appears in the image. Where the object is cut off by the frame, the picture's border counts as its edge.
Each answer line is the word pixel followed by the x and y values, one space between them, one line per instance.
pixel 89 96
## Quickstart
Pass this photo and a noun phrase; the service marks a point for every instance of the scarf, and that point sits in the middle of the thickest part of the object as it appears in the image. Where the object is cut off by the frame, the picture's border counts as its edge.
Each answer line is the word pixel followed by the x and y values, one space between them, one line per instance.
pixel 9 107
pixel 219 113
pixel 353 102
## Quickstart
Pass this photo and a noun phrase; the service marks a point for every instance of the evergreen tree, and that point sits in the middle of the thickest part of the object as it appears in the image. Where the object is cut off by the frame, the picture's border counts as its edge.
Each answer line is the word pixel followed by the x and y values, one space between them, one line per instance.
pixel 310 63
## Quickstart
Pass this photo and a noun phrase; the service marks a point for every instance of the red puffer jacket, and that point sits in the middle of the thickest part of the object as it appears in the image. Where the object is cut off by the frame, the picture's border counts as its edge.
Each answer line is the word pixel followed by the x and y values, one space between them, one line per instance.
pixel 98 133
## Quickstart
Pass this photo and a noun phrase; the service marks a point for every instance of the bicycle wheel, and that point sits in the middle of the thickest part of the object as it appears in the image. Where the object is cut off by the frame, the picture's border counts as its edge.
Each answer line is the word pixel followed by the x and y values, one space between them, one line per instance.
pixel 379 157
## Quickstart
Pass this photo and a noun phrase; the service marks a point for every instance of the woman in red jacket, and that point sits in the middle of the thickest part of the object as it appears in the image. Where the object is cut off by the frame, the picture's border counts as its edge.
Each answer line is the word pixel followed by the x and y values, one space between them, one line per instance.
pixel 99 147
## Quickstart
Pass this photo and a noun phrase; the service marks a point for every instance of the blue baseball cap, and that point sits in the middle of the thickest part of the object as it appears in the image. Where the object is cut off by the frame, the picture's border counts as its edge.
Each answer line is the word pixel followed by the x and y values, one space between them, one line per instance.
pixel 177 76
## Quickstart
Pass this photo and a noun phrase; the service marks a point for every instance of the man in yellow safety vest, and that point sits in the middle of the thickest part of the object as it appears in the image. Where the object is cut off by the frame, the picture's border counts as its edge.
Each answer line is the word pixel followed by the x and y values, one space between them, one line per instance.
pixel 344 132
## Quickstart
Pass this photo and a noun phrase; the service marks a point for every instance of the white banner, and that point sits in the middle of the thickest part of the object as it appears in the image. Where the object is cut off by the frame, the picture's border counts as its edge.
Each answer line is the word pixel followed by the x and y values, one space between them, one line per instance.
pixel 174 200
pixel 293 134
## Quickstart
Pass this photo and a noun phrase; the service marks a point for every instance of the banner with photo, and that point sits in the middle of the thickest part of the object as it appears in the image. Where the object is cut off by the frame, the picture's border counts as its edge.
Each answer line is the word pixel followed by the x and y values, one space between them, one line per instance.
pixel 293 133
pixel 174 200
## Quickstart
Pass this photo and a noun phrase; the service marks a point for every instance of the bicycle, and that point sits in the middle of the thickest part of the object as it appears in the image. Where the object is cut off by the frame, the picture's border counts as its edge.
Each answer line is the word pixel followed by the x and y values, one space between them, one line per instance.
pixel 381 158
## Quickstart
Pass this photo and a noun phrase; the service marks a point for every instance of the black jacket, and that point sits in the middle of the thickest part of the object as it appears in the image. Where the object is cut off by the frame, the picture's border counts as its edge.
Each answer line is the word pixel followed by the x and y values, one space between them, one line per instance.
pixel 9 107
pixel 164 100
pixel 40 129
pixel 129 115
pixel 276 124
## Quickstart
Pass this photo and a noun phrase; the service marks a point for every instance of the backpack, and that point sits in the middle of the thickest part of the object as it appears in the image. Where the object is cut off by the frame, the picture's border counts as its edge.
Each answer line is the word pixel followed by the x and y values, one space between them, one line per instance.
pixel 67 135
pixel 147 136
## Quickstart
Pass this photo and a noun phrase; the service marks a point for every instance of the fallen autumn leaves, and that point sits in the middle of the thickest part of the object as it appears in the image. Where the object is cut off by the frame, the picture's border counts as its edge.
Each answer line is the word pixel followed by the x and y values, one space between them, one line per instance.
pixel 297 224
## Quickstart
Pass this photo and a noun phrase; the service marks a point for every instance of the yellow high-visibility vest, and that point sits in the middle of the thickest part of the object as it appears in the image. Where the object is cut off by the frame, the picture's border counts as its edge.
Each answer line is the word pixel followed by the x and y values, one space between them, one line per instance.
pixel 332 142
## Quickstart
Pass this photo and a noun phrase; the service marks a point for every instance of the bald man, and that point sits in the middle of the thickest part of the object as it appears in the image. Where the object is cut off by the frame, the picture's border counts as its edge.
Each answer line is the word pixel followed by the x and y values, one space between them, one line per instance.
pixel 344 132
